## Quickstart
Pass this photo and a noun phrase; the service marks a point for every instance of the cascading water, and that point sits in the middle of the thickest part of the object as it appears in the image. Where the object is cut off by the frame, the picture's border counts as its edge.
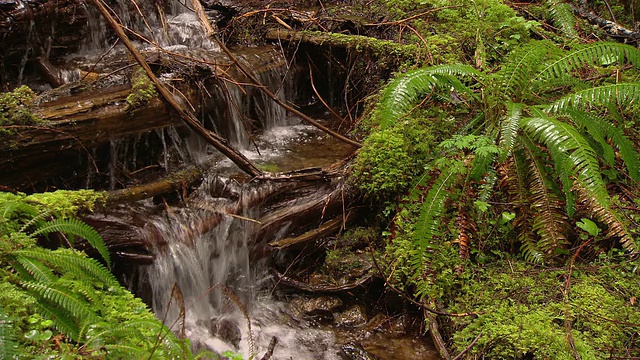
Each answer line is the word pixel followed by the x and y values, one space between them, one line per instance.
pixel 200 249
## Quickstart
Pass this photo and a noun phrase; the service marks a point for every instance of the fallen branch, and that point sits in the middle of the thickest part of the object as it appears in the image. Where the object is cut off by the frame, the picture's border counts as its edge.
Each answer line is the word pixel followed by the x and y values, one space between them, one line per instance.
pixel 434 331
pixel 612 29
pixel 218 142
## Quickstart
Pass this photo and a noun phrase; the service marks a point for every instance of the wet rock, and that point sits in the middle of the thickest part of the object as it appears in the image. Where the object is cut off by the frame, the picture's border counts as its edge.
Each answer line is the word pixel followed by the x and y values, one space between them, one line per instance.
pixel 354 316
pixel 318 308
pixel 227 330
pixel 353 351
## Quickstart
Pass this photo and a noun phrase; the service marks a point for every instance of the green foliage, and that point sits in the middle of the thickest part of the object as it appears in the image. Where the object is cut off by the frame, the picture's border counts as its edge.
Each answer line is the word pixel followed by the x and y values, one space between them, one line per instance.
pixel 8 341
pixel 400 95
pixel 546 135
pixel 65 292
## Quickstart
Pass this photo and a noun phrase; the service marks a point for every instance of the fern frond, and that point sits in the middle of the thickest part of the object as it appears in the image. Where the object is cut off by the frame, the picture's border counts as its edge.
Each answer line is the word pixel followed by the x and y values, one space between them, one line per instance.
pixel 509 131
pixel 563 18
pixel 37 271
pixel 514 78
pixel 599 128
pixel 622 94
pixel 550 222
pixel 8 337
pixel 77 228
pixel 62 319
pixel 572 153
pixel 430 219
pixel 64 298
pixel 607 216
pixel 514 175
pixel 400 95
pixel 77 264
pixel 598 53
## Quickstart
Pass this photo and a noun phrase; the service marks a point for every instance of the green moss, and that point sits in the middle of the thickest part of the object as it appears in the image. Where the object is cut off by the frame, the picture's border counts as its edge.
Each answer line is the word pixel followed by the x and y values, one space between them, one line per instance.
pixel 15 110
pixel 142 90
pixel 61 203
pixel 523 312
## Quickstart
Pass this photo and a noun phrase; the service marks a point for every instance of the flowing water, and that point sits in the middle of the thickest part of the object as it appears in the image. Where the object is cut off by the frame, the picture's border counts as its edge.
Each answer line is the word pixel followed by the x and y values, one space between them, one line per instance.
pixel 207 278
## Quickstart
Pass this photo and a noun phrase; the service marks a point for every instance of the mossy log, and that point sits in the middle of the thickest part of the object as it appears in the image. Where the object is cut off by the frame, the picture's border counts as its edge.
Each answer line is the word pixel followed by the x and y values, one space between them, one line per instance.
pixel 357 43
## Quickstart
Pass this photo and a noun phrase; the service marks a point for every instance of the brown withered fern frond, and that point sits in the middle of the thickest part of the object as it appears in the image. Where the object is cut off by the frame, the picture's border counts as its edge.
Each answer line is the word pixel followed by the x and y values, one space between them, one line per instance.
pixel 513 178
pixel 549 219
pixel 607 216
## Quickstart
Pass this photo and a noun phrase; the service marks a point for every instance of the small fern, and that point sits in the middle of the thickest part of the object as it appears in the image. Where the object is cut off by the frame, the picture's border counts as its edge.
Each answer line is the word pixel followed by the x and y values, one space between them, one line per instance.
pixel 510 127
pixel 430 219
pixel 563 18
pixel 72 262
pixel 572 154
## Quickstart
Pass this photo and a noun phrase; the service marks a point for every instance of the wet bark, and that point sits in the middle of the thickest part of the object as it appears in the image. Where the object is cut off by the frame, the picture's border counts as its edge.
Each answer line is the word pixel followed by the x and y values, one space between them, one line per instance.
pixel 612 29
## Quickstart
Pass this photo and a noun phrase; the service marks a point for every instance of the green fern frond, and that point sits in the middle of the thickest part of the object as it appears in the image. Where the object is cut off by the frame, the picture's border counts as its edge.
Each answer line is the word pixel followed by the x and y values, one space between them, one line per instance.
pixel 600 128
pixel 563 18
pixel 36 270
pixel 401 94
pixel 622 94
pixel 62 319
pixel 430 219
pixel 514 78
pixel 77 228
pixel 598 53
pixel 571 153
pixel 8 337
pixel 72 262
pixel 510 127
pixel 64 298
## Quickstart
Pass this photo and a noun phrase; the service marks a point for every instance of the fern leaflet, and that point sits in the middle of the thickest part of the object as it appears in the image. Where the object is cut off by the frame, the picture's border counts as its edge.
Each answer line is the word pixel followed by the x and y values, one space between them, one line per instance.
pixel 78 228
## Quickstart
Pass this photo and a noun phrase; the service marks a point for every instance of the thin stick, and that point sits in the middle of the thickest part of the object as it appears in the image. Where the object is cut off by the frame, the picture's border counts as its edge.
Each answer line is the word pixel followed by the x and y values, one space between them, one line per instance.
pixel 218 142
pixel 459 357
pixel 197 7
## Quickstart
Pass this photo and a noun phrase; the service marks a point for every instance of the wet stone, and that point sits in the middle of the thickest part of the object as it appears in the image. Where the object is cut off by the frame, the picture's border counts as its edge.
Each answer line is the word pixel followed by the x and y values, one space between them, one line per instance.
pixel 319 308
pixel 227 330
pixel 354 316
pixel 353 351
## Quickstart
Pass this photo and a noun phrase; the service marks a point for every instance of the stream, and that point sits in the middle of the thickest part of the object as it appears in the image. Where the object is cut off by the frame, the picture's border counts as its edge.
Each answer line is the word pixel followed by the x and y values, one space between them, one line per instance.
pixel 212 279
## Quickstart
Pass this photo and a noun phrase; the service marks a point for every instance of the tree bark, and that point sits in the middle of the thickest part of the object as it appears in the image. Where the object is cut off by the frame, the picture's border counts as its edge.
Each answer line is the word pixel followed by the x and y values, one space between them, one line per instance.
pixel 612 29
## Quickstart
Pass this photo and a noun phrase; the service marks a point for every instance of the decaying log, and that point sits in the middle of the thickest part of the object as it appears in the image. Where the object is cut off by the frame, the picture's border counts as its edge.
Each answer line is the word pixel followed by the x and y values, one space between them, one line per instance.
pixel 305 212
pixel 218 142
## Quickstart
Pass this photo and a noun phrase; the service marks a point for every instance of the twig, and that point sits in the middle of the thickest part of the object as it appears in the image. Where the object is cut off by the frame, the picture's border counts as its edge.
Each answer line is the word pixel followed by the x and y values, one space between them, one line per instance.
pixel 272 345
pixel 459 357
